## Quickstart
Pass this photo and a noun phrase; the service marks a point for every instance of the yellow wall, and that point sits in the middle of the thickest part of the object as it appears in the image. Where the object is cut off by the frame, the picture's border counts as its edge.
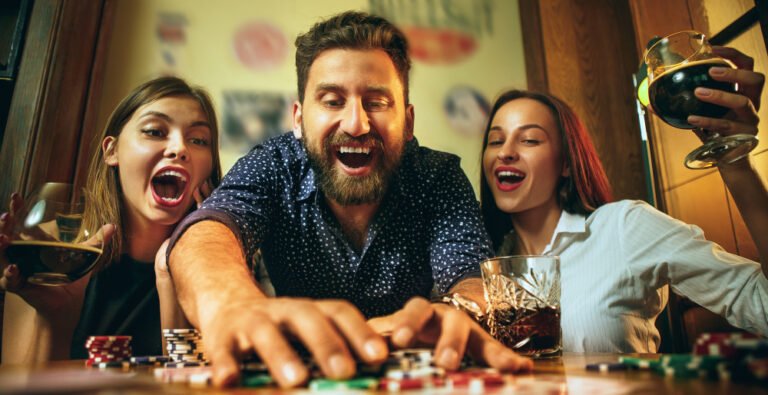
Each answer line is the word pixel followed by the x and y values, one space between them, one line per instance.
pixel 208 59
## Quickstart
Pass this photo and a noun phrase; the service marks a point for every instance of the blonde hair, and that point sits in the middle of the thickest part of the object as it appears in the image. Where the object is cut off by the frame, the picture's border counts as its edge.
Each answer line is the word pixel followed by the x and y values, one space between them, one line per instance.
pixel 103 191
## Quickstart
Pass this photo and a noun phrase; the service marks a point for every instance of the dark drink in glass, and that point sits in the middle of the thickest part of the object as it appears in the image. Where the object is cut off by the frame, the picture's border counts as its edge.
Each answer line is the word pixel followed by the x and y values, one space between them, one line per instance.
pixel 52 263
pixel 671 93
pixel 677 65
pixel 528 332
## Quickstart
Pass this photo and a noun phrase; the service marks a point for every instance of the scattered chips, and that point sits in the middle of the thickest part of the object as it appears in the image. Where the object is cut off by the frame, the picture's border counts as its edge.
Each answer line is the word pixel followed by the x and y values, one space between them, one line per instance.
pixel 719 356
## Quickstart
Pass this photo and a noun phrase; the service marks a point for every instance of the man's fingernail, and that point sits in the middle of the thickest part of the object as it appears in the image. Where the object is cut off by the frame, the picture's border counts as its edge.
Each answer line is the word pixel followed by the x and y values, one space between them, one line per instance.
pixel 717 71
pixel 375 349
pixel 448 357
pixel 340 366
pixel 402 336
pixel 291 373
pixel 704 91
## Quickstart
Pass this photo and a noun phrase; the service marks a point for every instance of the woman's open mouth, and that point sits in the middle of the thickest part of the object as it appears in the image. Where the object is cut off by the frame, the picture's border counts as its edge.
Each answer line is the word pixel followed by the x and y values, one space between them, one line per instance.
pixel 509 180
pixel 169 185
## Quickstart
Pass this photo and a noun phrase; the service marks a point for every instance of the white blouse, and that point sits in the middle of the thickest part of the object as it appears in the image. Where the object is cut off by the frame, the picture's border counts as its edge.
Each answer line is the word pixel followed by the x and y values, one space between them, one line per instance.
pixel 616 266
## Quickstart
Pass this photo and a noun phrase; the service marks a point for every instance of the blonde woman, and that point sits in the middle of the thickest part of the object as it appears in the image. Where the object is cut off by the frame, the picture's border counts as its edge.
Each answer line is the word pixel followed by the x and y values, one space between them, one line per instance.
pixel 157 156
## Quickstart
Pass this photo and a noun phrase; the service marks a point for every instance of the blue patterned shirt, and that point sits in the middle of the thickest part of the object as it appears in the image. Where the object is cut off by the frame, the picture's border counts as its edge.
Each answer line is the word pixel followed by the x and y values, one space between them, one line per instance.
pixel 427 230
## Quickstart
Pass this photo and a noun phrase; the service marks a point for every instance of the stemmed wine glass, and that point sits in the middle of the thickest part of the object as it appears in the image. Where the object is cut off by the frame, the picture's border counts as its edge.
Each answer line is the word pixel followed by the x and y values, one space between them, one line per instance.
pixel 677 65
pixel 51 245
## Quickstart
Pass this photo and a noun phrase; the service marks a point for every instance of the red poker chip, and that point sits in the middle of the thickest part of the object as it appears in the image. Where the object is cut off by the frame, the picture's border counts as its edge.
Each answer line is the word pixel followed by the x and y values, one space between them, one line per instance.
pixel 463 379
pixel 109 338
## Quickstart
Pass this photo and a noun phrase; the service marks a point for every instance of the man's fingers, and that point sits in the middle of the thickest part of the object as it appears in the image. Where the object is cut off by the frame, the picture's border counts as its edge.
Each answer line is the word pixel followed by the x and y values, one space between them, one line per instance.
pixel 411 321
pixel 485 349
pixel 455 329
pixel 366 343
pixel 317 332
pixel 276 352
pixel 226 368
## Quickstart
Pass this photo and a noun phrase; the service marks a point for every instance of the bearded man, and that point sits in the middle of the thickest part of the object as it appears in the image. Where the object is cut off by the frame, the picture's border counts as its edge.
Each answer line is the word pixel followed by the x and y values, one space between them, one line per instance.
pixel 354 220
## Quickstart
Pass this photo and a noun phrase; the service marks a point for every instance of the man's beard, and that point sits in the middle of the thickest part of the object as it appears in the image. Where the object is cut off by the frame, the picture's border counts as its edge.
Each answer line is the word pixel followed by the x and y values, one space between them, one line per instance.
pixel 349 190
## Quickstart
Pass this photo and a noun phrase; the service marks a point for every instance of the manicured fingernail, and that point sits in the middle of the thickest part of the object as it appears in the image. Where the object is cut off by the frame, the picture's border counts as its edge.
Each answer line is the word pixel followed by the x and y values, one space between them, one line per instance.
pixel 4 217
pixel 402 336
pixel 291 373
pixel 340 365
pixel 13 270
pixel 375 349
pixel 704 91
pixel 448 357
pixel 717 71
pixel 694 119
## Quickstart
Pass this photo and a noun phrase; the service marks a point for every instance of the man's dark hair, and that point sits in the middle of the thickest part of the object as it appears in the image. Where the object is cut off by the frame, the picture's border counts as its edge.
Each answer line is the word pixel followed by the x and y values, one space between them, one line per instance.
pixel 352 30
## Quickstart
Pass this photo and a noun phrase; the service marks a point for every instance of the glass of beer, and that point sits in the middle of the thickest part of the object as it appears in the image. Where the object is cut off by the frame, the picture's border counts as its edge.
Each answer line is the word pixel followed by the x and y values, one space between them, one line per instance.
pixel 522 293
pixel 49 241
pixel 677 65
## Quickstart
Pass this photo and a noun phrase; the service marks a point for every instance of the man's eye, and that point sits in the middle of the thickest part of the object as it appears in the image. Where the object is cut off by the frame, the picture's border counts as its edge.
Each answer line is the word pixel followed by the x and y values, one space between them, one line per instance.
pixel 376 105
pixel 334 103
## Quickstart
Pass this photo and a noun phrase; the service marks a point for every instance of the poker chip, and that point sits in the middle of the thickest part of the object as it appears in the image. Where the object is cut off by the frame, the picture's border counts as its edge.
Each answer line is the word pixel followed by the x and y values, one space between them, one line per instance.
pixel 256 380
pixel 150 360
pixel 607 367
pixel 184 345
pixel 108 351
pixel 186 364
pixel 359 383
pixel 639 363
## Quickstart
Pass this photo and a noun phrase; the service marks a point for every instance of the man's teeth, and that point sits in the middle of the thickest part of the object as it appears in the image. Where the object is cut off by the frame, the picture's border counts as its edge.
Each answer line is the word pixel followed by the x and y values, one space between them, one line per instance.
pixel 506 173
pixel 354 150
pixel 172 173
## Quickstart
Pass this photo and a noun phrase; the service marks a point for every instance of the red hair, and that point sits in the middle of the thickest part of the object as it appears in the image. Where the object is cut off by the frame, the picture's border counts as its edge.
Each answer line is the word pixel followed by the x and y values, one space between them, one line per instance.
pixel 582 192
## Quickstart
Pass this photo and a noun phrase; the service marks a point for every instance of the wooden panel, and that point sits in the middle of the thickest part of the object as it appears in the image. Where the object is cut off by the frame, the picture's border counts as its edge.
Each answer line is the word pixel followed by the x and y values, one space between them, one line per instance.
pixel 46 116
pixel 590 61
pixel 535 55
pixel 703 202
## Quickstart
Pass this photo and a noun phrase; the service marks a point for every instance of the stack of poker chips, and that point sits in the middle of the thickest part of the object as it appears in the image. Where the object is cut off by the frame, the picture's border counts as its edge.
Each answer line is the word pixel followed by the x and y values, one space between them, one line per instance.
pixel 185 347
pixel 720 356
pixel 108 351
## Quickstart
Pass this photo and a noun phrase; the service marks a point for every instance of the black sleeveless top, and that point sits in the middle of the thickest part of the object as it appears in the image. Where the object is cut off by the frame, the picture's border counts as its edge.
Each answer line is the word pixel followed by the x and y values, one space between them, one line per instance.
pixel 121 299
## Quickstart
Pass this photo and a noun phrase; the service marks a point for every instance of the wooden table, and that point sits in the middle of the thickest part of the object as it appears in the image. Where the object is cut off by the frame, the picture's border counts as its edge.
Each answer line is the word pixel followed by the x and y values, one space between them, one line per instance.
pixel 566 375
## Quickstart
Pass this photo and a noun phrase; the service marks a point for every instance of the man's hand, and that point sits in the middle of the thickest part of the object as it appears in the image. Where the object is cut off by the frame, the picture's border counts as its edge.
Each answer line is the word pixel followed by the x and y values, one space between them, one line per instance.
pixel 452 332
pixel 334 332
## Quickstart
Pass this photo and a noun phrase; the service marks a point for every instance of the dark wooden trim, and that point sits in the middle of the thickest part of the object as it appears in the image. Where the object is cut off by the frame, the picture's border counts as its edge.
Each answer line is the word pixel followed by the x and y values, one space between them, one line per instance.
pixel 43 134
pixel 533 45
pixel 90 127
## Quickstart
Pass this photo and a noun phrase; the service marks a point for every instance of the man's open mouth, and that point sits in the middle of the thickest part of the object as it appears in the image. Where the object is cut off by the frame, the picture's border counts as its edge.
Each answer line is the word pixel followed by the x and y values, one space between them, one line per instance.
pixel 169 185
pixel 354 156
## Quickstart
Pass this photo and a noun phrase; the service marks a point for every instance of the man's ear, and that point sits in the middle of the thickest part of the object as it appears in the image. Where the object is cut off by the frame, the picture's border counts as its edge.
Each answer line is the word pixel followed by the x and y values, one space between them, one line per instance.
pixel 109 148
pixel 297 120
pixel 409 122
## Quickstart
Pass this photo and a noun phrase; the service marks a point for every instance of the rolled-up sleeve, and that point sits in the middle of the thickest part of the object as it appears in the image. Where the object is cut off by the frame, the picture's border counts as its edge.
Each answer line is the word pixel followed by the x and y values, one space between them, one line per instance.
pixel 242 202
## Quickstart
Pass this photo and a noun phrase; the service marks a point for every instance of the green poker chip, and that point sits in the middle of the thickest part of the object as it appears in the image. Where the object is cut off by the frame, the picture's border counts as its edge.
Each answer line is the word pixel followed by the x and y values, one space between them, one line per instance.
pixel 360 383
pixel 256 380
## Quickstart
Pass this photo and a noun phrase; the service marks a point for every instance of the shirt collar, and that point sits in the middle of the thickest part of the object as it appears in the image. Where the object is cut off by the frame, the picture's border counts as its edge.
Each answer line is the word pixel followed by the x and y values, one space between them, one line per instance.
pixel 568 224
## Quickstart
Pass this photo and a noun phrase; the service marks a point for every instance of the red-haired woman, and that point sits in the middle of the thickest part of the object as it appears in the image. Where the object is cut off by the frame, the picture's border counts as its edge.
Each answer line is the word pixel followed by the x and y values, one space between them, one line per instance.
pixel 544 191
